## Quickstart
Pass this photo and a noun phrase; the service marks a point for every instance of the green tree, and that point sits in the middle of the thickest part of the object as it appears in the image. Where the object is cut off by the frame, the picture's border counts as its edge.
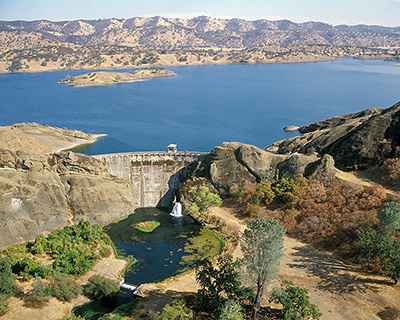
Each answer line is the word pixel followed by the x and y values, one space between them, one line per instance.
pixel 220 283
pixel 7 281
pixel 295 301
pixel 262 247
pixel 36 298
pixel 38 287
pixel 232 311
pixel 99 287
pixel 380 247
pixel 176 311
pixel 203 199
pixel 390 216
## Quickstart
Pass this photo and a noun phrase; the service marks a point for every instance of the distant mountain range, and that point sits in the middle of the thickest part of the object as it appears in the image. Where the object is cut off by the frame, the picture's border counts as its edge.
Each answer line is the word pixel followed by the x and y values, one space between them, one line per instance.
pixel 197 32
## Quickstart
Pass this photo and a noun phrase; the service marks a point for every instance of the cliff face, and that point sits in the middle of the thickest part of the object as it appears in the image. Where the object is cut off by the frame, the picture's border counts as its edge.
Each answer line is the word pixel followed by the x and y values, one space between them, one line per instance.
pixel 41 191
pixel 355 141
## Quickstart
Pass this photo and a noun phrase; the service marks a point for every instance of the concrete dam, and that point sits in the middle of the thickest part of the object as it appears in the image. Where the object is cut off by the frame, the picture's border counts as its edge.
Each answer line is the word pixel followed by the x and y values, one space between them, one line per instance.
pixel 154 175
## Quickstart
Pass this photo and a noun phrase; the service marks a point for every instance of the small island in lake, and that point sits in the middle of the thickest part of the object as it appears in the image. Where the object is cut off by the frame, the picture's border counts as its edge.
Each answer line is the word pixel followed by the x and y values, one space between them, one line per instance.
pixel 102 78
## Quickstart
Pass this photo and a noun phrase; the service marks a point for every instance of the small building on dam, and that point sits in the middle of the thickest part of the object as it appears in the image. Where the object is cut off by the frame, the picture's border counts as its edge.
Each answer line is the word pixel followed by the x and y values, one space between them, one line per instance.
pixel 154 175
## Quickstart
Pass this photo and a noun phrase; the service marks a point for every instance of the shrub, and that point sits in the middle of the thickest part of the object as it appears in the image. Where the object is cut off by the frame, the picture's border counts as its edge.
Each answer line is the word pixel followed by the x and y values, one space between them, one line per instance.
pixel 232 311
pixel 7 282
pixel 27 268
pixel 330 212
pixel 65 288
pixel 177 310
pixel 295 302
pixel 104 251
pixel 285 190
pixel 252 210
pixel 203 199
pixel 73 248
pixel 380 247
pixel 99 287
pixel 36 298
pixel 3 305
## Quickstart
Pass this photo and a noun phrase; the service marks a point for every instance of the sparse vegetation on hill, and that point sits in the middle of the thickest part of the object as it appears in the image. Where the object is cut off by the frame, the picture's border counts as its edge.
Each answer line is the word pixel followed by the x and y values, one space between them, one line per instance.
pixel 45 45
pixel 324 211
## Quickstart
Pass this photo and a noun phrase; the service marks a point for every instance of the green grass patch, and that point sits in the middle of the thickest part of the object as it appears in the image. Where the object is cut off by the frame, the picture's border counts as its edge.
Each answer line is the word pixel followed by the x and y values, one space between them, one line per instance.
pixel 146 226
pixel 205 245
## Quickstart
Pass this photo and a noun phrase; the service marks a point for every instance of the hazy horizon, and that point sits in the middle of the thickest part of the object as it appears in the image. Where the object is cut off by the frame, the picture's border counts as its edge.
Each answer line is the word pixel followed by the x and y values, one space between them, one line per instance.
pixel 333 12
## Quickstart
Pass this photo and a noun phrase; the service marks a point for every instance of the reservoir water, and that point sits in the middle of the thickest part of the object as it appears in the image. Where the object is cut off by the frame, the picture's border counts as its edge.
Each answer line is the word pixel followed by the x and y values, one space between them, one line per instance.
pixel 201 106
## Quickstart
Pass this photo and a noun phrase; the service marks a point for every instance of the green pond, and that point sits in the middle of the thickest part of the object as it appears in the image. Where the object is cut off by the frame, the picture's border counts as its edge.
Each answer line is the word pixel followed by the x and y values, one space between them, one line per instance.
pixel 171 248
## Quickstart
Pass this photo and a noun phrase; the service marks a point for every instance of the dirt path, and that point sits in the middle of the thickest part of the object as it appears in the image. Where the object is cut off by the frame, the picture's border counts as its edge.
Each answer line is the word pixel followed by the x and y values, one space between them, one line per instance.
pixel 367 179
pixel 339 289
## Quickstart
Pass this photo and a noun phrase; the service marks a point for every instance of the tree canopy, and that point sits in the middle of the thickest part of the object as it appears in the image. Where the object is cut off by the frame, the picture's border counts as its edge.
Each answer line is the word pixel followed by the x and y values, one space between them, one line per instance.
pixel 262 247
pixel 220 283
pixel 203 199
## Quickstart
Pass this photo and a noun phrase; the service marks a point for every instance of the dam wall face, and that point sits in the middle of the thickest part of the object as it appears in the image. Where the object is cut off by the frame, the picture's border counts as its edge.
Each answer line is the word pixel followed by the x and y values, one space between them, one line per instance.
pixel 154 175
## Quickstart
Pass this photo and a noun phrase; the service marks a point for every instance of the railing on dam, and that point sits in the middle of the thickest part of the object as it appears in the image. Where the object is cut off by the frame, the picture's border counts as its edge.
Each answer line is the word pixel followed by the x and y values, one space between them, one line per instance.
pixel 154 175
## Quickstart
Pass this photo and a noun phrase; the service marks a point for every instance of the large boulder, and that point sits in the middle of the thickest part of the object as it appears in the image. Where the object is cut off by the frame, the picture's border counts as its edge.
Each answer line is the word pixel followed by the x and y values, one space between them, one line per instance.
pixel 259 163
pixel 295 164
pixel 325 165
pixel 225 170
pixel 97 199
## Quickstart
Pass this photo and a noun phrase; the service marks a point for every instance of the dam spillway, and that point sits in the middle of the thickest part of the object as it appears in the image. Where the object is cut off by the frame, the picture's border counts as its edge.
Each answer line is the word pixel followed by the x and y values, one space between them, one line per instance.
pixel 154 175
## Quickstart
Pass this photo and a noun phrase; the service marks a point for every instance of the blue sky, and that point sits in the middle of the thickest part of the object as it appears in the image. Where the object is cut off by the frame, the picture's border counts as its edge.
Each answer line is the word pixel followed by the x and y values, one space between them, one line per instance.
pixel 377 12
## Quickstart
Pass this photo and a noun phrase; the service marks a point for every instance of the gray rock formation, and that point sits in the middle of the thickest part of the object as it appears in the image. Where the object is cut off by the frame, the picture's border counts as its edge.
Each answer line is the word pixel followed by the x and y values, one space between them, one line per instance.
pixel 355 141
pixel 294 165
pixel 325 165
pixel 338 120
pixel 233 163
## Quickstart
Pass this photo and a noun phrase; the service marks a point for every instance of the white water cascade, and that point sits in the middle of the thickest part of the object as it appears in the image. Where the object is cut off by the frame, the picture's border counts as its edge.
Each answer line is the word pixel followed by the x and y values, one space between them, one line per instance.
pixel 177 210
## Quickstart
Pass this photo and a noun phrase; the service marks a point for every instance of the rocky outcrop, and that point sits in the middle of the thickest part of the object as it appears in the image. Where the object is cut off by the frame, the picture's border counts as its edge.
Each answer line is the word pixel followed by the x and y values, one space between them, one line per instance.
pixel 234 164
pixel 325 165
pixel 295 164
pixel 41 191
pixel 338 120
pixel 355 141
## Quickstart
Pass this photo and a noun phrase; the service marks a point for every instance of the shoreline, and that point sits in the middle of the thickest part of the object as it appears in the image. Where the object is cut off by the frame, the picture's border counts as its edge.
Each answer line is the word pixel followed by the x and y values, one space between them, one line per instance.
pixel 178 64
pixel 81 143
pixel 175 64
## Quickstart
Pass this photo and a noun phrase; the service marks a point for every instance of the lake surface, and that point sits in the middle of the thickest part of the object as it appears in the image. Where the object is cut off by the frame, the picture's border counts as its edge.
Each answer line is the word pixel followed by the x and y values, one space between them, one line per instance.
pixel 201 106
